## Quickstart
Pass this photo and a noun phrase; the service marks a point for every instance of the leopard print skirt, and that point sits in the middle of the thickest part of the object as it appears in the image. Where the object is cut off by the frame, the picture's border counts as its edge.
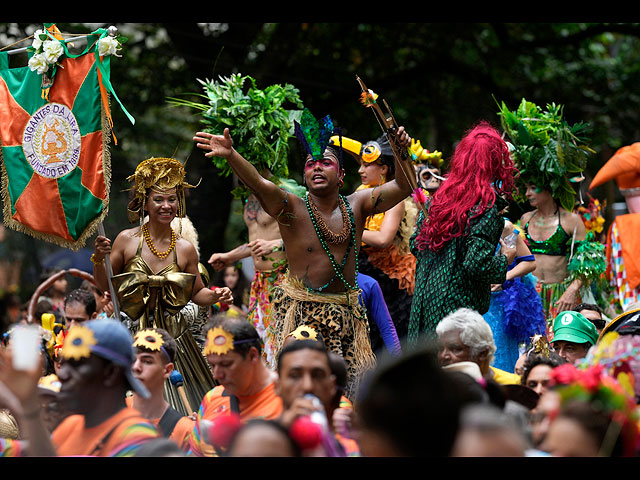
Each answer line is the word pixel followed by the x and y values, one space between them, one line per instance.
pixel 341 320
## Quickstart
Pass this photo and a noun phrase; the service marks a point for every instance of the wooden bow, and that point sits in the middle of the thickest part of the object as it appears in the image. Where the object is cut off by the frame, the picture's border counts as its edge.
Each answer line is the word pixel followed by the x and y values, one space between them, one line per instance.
pixel 389 127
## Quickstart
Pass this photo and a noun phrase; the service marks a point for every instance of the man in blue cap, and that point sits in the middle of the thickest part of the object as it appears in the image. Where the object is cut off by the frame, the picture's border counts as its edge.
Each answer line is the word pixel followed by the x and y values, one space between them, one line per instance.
pixel 95 377
pixel 573 335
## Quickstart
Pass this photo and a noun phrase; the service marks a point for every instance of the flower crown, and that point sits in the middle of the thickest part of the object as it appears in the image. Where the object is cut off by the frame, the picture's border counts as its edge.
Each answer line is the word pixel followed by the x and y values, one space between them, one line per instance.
pixel 601 390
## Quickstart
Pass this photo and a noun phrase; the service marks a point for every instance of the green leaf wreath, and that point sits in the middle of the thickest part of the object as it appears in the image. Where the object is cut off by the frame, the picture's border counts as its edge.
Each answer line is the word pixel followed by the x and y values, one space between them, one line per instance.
pixel 548 152
pixel 257 119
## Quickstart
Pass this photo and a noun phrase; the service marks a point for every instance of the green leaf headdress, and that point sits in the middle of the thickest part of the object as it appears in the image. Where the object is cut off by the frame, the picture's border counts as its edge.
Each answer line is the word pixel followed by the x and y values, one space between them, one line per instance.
pixel 548 152
pixel 258 119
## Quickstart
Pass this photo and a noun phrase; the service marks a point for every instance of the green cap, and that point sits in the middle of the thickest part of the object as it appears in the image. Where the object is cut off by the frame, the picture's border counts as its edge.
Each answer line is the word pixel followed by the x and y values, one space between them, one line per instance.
pixel 574 327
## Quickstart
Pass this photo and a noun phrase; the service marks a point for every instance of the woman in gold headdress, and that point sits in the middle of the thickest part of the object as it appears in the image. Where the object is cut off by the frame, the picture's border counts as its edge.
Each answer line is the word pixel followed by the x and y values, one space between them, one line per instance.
pixel 155 271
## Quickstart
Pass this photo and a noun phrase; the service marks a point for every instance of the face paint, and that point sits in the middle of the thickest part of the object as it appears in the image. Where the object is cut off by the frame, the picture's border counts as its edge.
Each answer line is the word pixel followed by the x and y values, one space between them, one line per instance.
pixel 326 162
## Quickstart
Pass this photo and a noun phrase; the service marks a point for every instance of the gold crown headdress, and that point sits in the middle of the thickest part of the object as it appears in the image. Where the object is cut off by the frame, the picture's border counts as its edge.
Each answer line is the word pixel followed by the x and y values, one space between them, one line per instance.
pixel 160 174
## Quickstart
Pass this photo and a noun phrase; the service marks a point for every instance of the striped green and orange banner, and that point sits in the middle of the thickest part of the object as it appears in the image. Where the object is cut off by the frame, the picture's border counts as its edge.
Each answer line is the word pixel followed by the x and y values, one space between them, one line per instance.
pixel 55 156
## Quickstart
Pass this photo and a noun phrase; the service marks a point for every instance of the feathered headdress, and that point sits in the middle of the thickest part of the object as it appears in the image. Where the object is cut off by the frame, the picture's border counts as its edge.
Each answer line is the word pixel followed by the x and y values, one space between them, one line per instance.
pixel 314 135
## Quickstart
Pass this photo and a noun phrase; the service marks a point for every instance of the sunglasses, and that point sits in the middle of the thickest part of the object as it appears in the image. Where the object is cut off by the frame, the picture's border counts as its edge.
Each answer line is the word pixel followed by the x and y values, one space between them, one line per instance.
pixel 599 324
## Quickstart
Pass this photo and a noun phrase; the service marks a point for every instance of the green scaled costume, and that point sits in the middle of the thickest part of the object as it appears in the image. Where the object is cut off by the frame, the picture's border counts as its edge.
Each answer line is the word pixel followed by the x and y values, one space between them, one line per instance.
pixel 466 267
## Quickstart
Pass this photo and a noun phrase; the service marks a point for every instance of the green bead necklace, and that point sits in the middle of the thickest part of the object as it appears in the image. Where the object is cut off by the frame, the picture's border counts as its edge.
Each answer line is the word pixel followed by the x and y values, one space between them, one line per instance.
pixel 338 269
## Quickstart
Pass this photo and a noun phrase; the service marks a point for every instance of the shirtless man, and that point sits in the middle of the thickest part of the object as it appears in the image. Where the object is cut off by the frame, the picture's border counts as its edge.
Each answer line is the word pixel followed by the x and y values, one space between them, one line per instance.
pixel 320 291
pixel 550 231
pixel 266 248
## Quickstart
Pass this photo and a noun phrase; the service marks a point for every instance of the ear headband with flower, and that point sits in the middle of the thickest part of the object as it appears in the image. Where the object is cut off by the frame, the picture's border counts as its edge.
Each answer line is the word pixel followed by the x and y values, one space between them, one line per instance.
pixel 150 339
pixel 78 343
pixel 304 332
pixel 219 341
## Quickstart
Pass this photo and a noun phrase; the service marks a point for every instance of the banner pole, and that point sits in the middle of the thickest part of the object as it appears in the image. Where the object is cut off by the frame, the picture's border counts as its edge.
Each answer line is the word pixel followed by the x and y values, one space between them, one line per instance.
pixel 24 49
pixel 107 264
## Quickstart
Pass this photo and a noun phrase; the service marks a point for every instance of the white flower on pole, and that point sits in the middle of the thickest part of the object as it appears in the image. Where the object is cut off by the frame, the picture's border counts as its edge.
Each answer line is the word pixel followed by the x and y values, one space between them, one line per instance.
pixel 52 49
pixel 38 63
pixel 37 41
pixel 108 46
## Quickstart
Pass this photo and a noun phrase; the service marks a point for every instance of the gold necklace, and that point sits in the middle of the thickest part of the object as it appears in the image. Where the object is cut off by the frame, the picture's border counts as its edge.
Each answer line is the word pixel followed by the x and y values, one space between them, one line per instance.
pixel 329 236
pixel 152 247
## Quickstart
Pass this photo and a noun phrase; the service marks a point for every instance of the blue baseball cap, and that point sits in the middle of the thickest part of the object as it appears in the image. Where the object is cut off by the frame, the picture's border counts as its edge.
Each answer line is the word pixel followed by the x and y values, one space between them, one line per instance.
pixel 574 327
pixel 113 342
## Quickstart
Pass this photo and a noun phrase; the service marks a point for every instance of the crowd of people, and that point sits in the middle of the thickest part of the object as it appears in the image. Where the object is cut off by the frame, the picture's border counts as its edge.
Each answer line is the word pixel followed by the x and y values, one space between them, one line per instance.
pixel 407 318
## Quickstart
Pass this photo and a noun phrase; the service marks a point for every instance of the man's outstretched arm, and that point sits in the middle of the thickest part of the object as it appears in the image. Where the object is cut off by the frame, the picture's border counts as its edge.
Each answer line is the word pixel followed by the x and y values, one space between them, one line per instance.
pixel 271 197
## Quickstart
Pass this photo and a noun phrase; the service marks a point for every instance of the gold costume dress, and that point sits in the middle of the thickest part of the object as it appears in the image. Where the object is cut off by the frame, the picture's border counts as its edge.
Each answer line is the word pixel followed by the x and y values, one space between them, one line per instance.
pixel 156 299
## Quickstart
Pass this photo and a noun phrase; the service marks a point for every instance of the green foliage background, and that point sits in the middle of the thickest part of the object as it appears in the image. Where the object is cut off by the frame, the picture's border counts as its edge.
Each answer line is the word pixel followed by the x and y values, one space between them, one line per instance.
pixel 439 78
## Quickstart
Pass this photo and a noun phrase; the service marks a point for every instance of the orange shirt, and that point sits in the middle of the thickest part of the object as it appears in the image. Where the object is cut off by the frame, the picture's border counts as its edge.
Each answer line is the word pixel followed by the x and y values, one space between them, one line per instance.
pixel 180 432
pixel 118 436
pixel 265 404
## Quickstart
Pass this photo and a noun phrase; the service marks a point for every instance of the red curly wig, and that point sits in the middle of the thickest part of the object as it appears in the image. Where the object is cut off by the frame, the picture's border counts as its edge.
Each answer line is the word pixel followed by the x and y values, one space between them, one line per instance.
pixel 480 169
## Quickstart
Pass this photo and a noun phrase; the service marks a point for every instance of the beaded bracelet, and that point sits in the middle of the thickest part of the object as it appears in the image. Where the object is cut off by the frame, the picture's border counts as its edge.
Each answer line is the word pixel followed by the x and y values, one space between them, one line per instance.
pixel 94 261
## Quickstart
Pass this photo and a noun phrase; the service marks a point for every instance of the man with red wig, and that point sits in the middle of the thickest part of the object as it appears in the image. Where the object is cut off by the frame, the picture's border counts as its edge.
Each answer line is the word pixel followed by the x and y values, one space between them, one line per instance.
pixel 455 246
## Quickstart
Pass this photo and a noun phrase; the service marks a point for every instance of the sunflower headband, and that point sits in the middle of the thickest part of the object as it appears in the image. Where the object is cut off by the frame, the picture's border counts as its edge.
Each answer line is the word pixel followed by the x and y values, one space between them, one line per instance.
pixel 151 340
pixel 78 343
pixel 159 174
pixel 303 332
pixel 219 341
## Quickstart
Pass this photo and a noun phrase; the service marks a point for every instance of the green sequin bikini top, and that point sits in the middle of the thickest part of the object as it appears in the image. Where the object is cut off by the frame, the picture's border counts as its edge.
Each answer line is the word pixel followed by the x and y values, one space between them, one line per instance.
pixel 557 244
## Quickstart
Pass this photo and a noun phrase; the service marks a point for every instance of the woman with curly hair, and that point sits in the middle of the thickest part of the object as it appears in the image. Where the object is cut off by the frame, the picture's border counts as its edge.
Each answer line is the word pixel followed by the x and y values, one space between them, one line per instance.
pixel 455 246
